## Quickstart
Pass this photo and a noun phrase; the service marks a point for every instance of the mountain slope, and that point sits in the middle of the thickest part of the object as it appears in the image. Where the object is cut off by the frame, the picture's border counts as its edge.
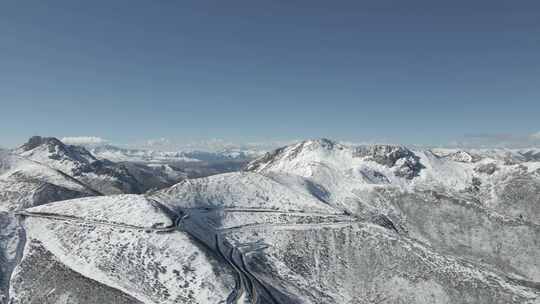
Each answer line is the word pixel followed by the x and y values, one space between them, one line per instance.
pixel 316 222
pixel 249 237
pixel 23 184
pixel 101 174
pixel 125 244
pixel 490 200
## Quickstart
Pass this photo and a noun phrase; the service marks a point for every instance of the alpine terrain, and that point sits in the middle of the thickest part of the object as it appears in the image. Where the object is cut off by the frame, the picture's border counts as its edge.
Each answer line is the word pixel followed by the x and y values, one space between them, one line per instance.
pixel 313 222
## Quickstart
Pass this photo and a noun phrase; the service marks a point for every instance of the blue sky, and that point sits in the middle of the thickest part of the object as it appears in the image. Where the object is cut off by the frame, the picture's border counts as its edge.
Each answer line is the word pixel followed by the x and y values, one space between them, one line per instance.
pixel 422 72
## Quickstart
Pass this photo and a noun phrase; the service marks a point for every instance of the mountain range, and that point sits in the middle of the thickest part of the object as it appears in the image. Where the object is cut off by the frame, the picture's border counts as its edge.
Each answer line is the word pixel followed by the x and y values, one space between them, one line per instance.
pixel 117 154
pixel 45 170
pixel 313 222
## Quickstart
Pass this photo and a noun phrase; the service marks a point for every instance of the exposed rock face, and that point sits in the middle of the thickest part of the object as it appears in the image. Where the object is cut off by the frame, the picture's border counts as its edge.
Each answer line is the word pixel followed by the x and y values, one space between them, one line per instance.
pixel 386 155
pixel 488 168
pixel 407 163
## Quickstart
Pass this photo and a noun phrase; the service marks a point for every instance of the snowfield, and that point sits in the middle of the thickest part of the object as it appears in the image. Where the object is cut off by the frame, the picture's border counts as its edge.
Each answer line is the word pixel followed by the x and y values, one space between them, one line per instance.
pixel 133 210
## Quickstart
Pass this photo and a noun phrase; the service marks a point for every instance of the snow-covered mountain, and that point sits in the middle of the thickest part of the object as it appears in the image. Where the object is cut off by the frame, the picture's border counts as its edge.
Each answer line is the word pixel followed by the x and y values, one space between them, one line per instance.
pixel 117 154
pixel 45 170
pixel 102 175
pixel 492 197
pixel 160 168
pixel 314 222
pixel 530 154
pixel 130 170
pixel 23 184
pixel 26 183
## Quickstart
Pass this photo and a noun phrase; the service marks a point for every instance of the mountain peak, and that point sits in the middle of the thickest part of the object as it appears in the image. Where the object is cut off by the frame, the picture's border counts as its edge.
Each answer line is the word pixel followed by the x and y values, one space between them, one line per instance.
pixel 319 144
pixel 321 148
pixel 41 148
pixel 323 142
pixel 78 162
pixel 36 141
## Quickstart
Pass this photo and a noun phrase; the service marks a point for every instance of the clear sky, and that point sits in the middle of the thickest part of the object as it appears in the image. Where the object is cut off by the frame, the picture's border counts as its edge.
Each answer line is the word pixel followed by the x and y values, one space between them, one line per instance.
pixel 403 71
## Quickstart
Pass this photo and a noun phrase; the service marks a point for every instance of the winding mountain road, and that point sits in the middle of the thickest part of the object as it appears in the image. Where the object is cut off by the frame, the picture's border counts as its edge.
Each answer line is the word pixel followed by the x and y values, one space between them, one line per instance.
pixel 58 217
pixel 203 224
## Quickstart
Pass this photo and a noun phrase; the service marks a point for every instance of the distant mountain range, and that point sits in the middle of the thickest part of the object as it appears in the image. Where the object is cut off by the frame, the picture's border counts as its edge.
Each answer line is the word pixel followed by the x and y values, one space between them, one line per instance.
pixel 117 154
pixel 101 174
pixel 313 222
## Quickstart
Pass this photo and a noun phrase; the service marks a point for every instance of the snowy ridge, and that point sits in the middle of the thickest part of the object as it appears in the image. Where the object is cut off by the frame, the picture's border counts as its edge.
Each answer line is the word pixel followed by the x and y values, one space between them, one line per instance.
pixel 101 174
pixel 67 159
pixel 136 155
pixel 348 176
pixel 239 189
pixel 315 222
pixel 22 173
pixel 25 183
pixel 368 181
pixel 156 265
pixel 142 212
pixel 386 164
